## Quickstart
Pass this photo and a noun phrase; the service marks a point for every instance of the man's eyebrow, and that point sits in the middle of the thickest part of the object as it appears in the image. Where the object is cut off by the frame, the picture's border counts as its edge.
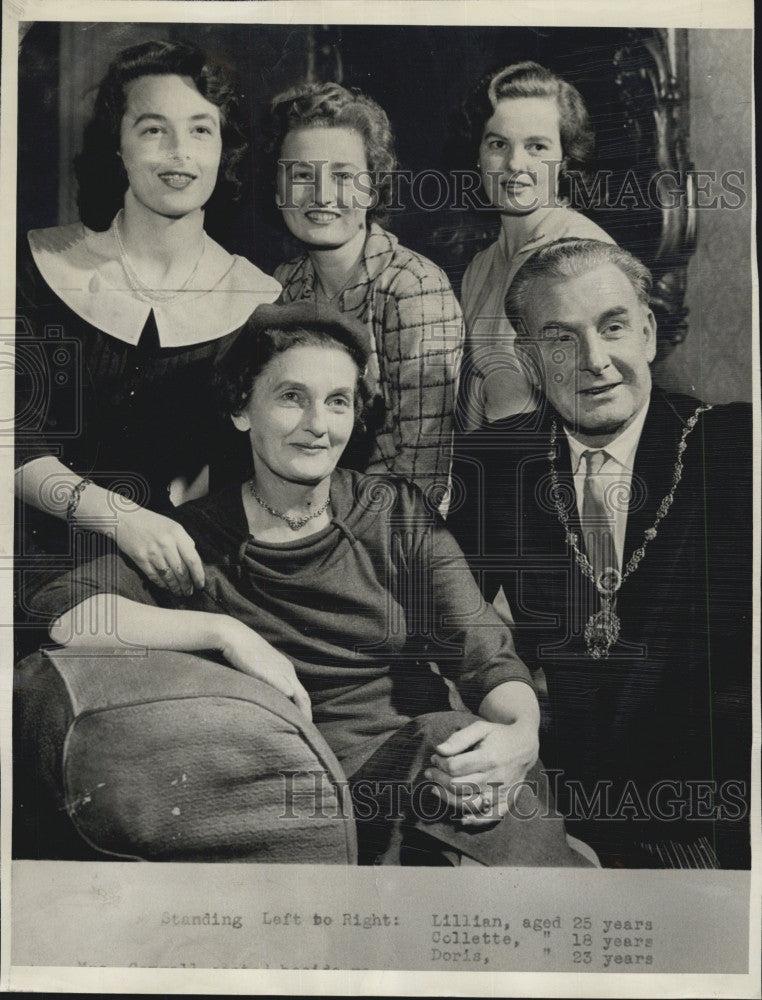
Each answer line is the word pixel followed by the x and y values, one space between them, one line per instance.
pixel 612 312
pixel 560 324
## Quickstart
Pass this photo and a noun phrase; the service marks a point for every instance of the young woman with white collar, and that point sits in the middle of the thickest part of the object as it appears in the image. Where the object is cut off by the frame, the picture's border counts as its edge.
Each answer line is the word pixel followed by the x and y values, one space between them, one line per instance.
pixel 126 312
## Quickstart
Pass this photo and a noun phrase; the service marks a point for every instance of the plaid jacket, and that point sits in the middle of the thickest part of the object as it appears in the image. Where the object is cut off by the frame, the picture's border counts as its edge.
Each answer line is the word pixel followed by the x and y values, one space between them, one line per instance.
pixel 409 307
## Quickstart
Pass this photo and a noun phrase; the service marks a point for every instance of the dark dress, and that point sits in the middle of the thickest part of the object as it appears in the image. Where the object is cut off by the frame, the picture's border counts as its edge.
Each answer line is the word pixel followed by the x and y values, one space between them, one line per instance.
pixel 123 407
pixel 364 609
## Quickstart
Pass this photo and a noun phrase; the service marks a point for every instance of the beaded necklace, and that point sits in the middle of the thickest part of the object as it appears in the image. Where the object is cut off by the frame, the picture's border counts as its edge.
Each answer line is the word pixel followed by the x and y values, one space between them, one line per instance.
pixel 139 287
pixel 602 627
pixel 295 523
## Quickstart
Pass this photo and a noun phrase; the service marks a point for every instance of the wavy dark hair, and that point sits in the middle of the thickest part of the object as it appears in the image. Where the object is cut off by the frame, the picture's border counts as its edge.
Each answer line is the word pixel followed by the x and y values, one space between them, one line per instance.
pixel 529 79
pixel 100 174
pixel 316 105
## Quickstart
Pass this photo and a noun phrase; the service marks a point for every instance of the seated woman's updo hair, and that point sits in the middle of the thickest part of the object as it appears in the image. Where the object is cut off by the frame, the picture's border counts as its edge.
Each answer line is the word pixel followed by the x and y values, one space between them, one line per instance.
pixel 329 105
pixel 100 174
pixel 529 79
pixel 273 329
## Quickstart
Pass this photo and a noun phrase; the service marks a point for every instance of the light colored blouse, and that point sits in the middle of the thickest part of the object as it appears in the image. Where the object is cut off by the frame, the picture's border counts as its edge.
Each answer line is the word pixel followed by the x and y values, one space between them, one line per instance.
pixel 493 381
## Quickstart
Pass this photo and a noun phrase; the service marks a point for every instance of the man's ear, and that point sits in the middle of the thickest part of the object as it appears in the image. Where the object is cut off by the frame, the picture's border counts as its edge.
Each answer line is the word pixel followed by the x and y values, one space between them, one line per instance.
pixel 649 331
pixel 241 421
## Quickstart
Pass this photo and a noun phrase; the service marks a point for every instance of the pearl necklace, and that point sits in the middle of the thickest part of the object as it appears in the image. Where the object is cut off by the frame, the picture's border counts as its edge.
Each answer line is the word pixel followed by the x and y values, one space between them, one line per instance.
pixel 602 628
pixel 138 286
pixel 295 523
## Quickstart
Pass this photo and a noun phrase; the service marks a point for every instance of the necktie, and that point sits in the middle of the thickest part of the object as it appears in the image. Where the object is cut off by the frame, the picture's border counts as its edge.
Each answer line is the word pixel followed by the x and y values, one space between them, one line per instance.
pixel 598 515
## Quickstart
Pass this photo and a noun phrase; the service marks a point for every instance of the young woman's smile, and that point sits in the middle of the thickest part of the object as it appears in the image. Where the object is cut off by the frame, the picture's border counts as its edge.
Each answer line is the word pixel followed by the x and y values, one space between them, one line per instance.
pixel 520 154
pixel 171 144
pixel 320 185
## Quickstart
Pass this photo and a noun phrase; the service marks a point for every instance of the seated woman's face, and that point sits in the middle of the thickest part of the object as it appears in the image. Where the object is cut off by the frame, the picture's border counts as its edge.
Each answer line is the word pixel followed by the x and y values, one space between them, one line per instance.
pixel 170 145
pixel 301 412
pixel 323 185
pixel 520 154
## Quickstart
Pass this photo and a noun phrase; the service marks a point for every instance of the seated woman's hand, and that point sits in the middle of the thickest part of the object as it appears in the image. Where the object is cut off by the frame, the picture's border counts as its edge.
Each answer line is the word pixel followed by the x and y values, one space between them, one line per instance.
pixel 161 548
pixel 478 770
pixel 248 652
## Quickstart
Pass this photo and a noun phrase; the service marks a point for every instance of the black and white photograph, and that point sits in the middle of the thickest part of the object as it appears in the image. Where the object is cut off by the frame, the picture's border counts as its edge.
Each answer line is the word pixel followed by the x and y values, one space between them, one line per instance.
pixel 385 462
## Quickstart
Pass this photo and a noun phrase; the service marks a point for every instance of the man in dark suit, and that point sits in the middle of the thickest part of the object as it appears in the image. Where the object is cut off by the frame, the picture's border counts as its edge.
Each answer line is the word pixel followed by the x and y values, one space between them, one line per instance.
pixel 617 520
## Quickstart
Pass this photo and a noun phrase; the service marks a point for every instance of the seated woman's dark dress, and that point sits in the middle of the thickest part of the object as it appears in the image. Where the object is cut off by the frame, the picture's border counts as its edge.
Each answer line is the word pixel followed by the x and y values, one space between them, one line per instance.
pixel 364 609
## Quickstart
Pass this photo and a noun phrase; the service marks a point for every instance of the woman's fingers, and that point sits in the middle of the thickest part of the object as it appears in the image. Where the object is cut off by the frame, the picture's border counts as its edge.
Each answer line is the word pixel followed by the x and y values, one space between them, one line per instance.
pixel 464 739
pixel 460 788
pixel 162 549
pixel 146 568
pixel 288 685
pixel 172 578
pixel 190 560
pixel 159 573
pixel 479 818
pixel 180 567
pixel 464 764
pixel 478 803
pixel 248 652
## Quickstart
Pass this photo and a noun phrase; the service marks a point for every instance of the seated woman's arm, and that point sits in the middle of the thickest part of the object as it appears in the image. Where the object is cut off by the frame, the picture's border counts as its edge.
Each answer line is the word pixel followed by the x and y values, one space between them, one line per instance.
pixel 105 620
pixel 493 753
pixel 475 650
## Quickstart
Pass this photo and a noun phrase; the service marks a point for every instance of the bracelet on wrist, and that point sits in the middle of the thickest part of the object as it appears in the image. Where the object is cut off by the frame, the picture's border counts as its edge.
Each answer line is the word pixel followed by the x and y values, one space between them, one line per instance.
pixel 76 496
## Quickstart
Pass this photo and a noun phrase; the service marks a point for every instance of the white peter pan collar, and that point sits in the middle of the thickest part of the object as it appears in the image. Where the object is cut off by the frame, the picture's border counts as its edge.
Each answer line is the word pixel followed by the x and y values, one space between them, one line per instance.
pixel 83 268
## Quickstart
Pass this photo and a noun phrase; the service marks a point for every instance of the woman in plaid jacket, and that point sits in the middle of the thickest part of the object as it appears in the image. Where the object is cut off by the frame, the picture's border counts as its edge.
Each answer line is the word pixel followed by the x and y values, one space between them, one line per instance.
pixel 333 154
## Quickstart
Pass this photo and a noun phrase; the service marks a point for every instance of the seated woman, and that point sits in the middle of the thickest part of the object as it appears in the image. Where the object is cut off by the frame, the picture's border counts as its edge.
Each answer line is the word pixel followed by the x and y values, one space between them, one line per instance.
pixel 528 129
pixel 333 154
pixel 341 590
pixel 140 301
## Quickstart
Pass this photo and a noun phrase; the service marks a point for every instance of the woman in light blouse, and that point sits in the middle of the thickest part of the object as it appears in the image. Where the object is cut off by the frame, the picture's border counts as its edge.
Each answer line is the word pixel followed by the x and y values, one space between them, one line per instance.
pixel 527 128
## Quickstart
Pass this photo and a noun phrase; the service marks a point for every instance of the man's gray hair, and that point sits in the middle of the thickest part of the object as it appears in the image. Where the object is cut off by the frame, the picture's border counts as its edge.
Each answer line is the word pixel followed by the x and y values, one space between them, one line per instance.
pixel 570 258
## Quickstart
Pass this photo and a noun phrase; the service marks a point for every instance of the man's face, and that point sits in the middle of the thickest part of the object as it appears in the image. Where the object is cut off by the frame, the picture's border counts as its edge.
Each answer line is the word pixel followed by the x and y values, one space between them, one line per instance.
pixel 595 340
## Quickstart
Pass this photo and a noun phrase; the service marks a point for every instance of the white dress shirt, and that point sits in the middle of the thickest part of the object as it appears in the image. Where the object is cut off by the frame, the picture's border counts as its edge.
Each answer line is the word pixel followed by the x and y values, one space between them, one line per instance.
pixel 617 470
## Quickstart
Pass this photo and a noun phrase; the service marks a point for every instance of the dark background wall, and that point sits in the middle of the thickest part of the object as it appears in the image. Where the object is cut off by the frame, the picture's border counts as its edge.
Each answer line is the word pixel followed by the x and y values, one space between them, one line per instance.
pixel 418 74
